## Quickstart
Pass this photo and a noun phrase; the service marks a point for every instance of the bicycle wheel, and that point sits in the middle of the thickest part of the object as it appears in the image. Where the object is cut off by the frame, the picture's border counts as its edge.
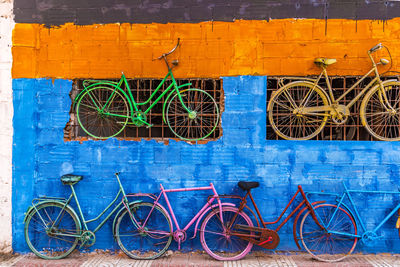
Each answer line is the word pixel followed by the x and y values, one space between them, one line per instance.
pixel 329 247
pixel 55 242
pixel 220 242
pixel 150 242
pixel 198 124
pixel 285 111
pixel 382 122
pixel 98 121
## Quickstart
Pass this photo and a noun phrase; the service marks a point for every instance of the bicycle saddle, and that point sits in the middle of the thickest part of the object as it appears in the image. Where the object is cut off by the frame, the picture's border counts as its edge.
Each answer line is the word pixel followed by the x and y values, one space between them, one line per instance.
pixel 248 185
pixel 70 179
pixel 325 61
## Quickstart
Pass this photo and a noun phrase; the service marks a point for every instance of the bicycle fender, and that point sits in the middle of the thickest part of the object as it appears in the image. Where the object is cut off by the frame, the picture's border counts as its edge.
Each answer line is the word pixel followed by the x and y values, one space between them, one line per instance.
pixel 76 99
pixel 363 102
pixel 296 240
pixel 31 209
pixel 120 211
pixel 169 95
pixel 294 83
pixel 86 88
pixel 206 211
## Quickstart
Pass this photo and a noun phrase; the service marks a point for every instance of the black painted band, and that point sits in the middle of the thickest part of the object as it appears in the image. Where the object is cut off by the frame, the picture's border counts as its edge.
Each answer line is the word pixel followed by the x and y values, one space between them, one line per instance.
pixel 58 12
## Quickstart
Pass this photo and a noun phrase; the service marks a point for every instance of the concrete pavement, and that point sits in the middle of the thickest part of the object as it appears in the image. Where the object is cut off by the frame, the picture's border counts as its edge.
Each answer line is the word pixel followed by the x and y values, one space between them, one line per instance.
pixel 192 259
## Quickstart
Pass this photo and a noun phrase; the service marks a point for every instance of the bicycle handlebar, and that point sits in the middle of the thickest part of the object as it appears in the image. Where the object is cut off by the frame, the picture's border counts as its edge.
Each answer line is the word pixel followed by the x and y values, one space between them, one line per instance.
pixel 375 48
pixel 170 52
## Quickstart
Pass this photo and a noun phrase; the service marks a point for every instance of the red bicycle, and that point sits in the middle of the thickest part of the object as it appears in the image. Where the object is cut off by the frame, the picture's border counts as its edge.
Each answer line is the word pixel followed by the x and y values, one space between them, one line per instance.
pixel 260 234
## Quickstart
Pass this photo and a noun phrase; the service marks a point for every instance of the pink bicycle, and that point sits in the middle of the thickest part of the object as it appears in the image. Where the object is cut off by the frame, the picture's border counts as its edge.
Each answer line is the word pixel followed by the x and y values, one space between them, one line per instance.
pixel 151 230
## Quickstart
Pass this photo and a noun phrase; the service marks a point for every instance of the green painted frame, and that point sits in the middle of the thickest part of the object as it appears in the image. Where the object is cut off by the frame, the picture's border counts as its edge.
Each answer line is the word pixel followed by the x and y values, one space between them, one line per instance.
pixel 81 218
pixel 138 117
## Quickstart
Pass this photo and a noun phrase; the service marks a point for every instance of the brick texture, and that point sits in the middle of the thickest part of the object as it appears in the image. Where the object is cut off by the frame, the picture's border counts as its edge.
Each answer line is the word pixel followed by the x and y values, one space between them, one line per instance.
pixel 40 157
pixel 208 49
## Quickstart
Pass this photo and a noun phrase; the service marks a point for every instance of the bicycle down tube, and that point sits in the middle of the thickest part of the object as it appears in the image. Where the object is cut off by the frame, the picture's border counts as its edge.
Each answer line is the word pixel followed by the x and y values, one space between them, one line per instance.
pixel 347 193
pixel 171 210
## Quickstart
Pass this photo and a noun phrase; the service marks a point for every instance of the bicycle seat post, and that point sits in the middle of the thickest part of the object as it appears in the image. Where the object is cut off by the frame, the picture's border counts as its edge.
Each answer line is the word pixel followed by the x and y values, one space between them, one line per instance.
pixel 166 62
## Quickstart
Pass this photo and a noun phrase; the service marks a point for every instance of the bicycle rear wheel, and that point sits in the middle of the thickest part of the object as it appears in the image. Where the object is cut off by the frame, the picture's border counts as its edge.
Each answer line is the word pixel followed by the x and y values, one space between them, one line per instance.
pixel 382 122
pixel 218 240
pixel 102 112
pixel 285 111
pixel 150 242
pixel 200 122
pixel 321 244
pixel 52 232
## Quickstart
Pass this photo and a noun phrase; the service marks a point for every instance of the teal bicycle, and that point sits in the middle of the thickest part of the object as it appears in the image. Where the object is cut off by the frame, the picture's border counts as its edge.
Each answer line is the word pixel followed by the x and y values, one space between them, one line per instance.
pixel 340 225
pixel 53 228
pixel 103 108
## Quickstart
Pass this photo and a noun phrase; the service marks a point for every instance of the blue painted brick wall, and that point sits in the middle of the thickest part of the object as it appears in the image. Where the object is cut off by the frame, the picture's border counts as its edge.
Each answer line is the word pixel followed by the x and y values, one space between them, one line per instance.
pixel 40 157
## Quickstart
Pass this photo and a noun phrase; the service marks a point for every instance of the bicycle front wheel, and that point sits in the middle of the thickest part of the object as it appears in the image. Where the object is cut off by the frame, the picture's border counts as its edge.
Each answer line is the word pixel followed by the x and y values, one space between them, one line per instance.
pixel 52 231
pixel 197 124
pixel 102 112
pixel 219 240
pixel 381 118
pixel 152 235
pixel 323 244
pixel 286 111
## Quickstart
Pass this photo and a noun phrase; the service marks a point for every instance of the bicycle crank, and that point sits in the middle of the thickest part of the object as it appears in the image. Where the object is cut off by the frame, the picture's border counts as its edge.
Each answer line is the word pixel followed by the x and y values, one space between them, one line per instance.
pixel 139 118
pixel 88 238
pixel 265 238
pixel 340 114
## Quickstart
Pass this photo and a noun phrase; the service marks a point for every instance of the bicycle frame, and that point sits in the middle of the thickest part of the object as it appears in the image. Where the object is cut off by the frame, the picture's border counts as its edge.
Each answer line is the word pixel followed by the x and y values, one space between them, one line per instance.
pixel 334 101
pixel 73 195
pixel 305 203
pixel 135 105
pixel 354 211
pixel 264 223
pixel 196 218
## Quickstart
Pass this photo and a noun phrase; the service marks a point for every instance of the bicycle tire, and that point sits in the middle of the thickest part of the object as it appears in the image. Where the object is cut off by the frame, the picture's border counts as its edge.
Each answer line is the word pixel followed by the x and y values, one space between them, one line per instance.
pixel 96 123
pixel 227 246
pixel 204 121
pixel 286 120
pixel 46 245
pixel 325 246
pixel 381 123
pixel 144 245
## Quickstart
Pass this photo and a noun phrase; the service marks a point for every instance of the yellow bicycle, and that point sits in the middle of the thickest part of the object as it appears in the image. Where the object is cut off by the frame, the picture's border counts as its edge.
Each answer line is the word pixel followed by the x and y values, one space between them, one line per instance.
pixel 299 110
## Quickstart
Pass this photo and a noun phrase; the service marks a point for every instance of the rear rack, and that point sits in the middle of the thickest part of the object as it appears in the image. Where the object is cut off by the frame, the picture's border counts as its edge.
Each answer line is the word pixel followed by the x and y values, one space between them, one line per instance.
pixel 41 198
pixel 150 195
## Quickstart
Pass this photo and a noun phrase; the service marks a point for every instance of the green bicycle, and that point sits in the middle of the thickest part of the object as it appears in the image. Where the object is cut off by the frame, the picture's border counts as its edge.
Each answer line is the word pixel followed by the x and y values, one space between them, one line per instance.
pixel 53 228
pixel 104 109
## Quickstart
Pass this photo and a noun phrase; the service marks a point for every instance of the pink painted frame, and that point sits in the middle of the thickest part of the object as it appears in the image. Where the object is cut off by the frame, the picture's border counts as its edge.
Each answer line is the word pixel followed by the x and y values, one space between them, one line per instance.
pixel 179 234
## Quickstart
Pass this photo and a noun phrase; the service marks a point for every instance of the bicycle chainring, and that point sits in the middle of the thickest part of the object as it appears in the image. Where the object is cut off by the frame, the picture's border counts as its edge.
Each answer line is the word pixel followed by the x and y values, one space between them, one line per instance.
pixel 266 238
pixel 340 115
pixel 138 118
pixel 179 236
pixel 88 238
pixel 369 238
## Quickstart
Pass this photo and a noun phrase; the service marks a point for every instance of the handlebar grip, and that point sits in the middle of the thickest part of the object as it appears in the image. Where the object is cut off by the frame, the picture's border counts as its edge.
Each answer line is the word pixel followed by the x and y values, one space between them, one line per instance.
pixel 377 47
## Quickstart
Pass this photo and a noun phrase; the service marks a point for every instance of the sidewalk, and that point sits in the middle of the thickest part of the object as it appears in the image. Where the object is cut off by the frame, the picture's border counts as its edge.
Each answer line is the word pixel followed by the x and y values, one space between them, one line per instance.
pixel 178 259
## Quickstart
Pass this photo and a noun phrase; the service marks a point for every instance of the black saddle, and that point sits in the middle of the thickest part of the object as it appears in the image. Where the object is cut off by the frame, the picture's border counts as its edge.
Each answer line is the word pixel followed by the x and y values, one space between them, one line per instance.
pixel 248 185
pixel 70 179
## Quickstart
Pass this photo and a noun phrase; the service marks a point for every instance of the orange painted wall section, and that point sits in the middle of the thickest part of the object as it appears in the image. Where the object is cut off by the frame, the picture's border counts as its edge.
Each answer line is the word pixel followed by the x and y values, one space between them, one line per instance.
pixel 208 49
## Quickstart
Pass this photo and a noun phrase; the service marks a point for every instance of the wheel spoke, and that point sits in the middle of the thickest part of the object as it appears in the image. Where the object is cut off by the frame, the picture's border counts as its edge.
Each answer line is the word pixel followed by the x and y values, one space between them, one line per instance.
pixel 285 114
pixel 99 122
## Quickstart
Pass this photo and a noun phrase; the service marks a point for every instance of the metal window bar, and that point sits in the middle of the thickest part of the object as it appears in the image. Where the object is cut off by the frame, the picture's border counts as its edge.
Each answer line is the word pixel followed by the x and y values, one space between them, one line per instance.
pixel 352 129
pixel 141 90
